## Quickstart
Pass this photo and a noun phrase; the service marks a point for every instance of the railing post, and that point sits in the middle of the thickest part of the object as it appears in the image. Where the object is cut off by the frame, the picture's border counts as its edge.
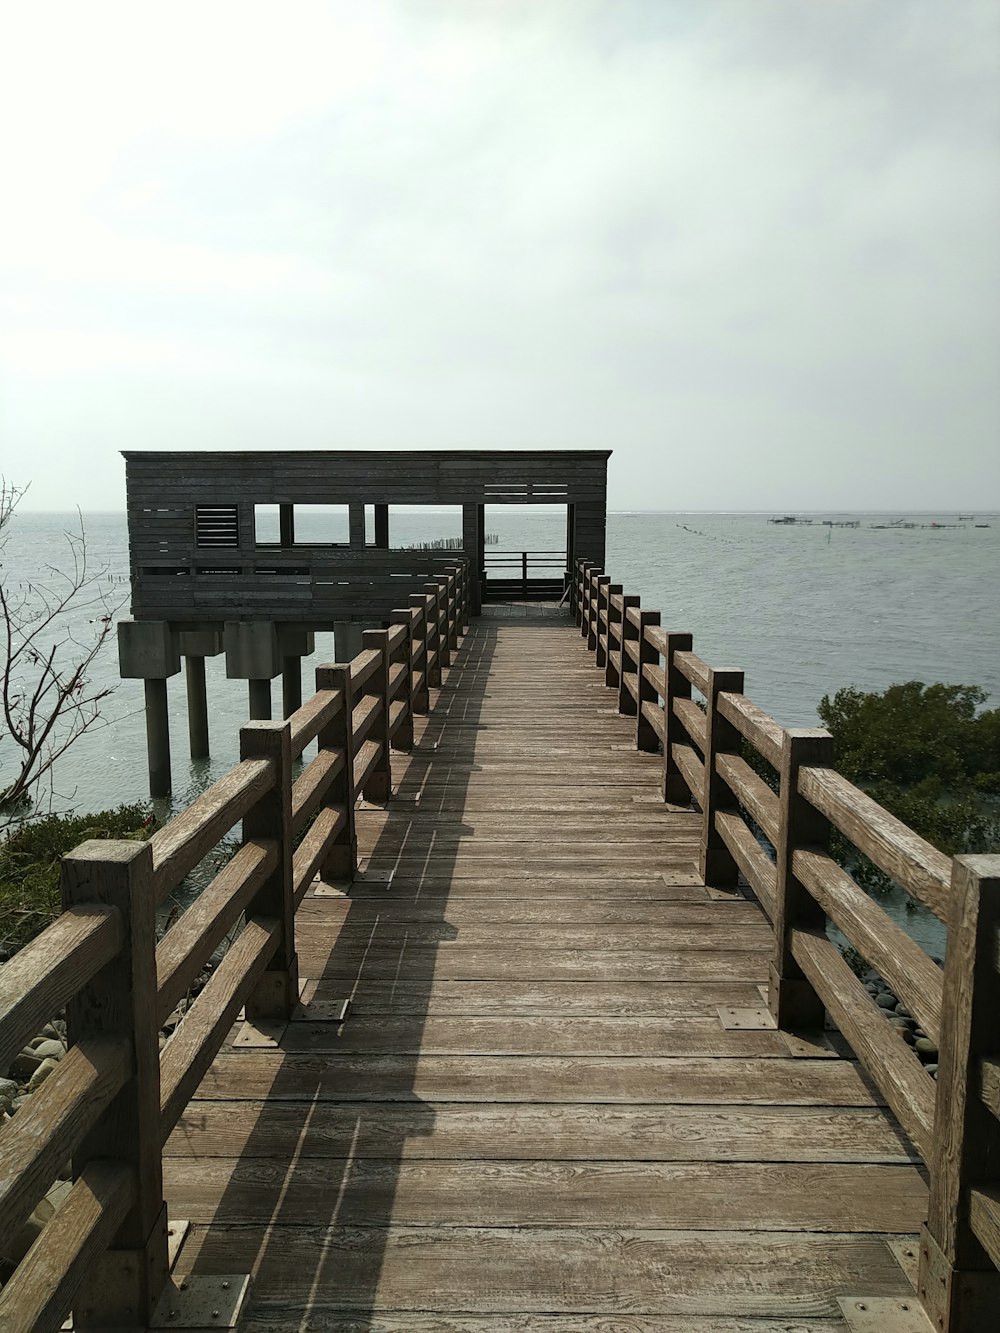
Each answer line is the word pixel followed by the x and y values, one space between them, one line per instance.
pixel 627 705
pixel 341 862
pixel 576 597
pixel 645 733
pixel 452 594
pixel 125 1282
pixel 403 739
pixel 455 574
pixel 583 606
pixel 418 607
pixel 614 638
pixel 595 577
pixel 442 605
pixel 524 574
pixel 466 595
pixel 435 642
pixel 791 998
pixel 675 686
pixel 276 993
pixel 379 784
pixel 717 865
pixel 958 1284
pixel 601 619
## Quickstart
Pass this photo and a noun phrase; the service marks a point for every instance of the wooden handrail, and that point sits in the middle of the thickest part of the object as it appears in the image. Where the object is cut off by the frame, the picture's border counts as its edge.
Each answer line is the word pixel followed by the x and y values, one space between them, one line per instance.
pixel 694 670
pixel 754 725
pixel 36 1298
pixel 692 719
pixel 185 949
pixel 54 1122
pixel 907 970
pixel 195 1042
pixel 107 948
pixel 955 1124
pixel 41 977
pixel 904 1082
pixel 312 784
pixel 364 666
pixel 911 861
pixel 309 720
pixel 180 845
pixel 752 792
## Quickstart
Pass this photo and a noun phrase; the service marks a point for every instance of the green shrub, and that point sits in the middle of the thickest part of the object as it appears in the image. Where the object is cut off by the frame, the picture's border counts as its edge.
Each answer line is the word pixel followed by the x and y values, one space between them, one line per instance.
pixel 29 864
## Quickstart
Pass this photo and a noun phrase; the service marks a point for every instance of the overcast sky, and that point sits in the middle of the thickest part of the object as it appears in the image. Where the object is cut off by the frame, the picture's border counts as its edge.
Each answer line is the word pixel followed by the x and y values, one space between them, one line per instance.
pixel 751 245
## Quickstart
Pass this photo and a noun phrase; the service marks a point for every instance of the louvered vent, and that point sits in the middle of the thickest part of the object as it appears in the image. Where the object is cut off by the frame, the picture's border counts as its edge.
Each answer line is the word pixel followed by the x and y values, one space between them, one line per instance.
pixel 217 525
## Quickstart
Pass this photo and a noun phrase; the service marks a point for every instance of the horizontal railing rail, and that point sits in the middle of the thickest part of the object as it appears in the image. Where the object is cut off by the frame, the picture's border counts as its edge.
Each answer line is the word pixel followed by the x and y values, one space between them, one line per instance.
pixel 769 798
pixel 111 1102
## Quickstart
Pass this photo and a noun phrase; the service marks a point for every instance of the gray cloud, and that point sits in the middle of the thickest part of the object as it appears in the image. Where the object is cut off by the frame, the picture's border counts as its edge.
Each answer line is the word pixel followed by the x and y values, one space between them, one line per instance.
pixel 751 247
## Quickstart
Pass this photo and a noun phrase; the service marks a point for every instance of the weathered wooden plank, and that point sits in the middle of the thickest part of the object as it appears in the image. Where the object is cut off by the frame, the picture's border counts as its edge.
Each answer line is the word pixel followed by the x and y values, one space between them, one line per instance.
pixel 700 1196
pixel 552 881
pixel 551 1270
pixel 276 1317
pixel 530 1035
pixel 553 999
pixel 794 1082
pixel 463 911
pixel 517 1131
pixel 318 958
pixel 383 932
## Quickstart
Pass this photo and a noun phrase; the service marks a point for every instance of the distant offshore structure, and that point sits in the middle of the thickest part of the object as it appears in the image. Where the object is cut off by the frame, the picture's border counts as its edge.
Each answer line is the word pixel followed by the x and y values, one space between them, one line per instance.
pixel 897 523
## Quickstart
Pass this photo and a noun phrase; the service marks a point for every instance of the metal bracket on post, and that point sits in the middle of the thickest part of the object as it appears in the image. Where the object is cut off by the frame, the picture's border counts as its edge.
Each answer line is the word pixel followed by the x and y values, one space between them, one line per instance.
pixel 884 1314
pixel 202 1301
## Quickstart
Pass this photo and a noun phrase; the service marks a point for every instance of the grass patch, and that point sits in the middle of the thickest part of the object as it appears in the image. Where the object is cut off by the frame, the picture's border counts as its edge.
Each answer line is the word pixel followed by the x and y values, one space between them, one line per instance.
pixel 30 858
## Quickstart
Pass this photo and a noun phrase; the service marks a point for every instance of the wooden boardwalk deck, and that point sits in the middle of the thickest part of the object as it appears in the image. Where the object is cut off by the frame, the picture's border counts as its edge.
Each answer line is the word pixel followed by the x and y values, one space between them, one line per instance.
pixel 534 1117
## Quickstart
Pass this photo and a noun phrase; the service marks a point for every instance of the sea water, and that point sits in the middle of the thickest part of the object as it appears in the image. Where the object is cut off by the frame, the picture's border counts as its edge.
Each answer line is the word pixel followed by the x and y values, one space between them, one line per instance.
pixel 802 608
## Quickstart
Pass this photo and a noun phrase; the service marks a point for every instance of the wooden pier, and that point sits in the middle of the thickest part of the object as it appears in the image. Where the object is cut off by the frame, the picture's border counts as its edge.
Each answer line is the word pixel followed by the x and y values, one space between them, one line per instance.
pixel 534 1107
pixel 514 1058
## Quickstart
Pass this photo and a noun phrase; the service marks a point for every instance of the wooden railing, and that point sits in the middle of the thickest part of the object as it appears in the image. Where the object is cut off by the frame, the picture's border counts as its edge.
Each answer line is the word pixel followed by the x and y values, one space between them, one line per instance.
pixel 777 836
pixel 114 1099
pixel 519 572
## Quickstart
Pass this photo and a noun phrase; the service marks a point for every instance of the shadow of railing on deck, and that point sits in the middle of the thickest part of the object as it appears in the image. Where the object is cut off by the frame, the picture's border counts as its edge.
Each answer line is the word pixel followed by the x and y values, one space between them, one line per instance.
pixel 324 1150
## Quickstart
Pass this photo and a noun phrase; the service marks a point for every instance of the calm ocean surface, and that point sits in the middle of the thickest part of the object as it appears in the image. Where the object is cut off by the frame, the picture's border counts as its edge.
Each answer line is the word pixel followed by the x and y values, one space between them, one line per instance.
pixel 803 609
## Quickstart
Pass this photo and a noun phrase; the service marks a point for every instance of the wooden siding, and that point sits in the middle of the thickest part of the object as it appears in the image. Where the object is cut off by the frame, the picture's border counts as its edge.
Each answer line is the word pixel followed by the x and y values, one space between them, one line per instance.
pixel 175 579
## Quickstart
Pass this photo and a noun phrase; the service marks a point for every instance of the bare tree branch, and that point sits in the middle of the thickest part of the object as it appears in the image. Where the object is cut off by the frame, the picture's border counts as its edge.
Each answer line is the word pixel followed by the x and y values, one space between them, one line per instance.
pixel 52 631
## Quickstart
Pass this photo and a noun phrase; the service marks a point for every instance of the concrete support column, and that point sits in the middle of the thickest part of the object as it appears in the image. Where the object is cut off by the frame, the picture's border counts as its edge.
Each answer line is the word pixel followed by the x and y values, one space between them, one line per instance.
pixel 157 736
pixel 346 640
pixel 260 700
pixel 147 651
pixel 252 655
pixel 195 646
pixel 291 685
pixel 197 698
pixel 293 645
